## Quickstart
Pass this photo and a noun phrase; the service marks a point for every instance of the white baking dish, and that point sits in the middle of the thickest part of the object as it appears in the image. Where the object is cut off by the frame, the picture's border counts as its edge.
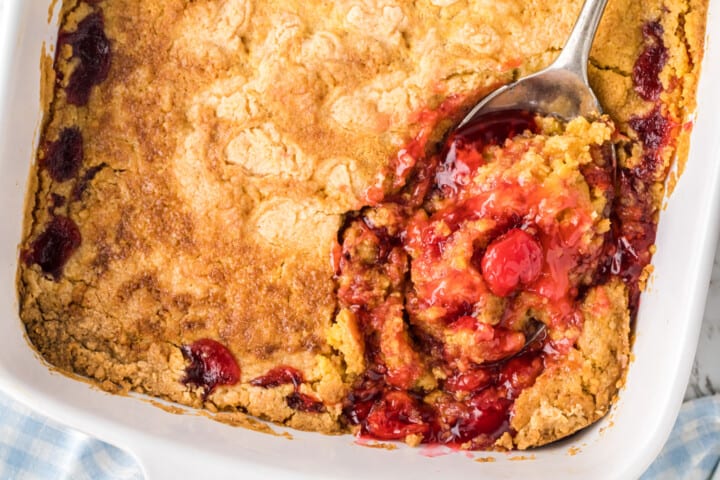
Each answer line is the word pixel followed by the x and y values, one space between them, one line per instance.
pixel 188 446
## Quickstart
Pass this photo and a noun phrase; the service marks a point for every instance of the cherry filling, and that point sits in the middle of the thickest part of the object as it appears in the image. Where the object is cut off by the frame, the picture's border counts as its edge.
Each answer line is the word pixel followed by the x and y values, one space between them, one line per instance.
pixel 279 376
pixel 467 283
pixel 462 157
pixel 435 284
pixel 512 260
pixel 396 415
pixel 304 403
pixel 297 400
pixel 646 72
pixel 654 131
pixel 53 248
pixel 211 364
pixel 91 48
pixel 474 407
pixel 64 156
pixel 634 216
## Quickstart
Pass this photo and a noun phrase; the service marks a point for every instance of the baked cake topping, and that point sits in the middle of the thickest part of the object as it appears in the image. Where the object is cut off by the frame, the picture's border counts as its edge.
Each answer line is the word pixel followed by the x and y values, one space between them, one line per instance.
pixel 268 185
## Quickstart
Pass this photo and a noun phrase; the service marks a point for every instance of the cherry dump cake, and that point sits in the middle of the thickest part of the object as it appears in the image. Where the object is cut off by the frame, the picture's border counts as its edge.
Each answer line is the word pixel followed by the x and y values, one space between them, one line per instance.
pixel 258 208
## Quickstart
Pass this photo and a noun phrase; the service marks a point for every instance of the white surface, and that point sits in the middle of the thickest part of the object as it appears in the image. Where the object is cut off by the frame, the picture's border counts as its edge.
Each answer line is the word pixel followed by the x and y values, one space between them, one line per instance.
pixel 705 377
pixel 172 446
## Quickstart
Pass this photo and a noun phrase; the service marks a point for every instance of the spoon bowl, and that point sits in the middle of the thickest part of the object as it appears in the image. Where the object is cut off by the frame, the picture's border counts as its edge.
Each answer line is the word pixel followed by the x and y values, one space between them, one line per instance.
pixel 561 90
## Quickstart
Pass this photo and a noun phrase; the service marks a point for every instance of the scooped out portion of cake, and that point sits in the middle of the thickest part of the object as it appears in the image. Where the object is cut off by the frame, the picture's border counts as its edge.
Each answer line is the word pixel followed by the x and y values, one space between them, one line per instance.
pixel 474 282
pixel 257 208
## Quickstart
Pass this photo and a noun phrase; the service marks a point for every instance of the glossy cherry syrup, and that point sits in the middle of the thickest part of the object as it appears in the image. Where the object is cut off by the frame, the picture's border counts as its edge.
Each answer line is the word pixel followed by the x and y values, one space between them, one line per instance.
pixel 512 260
pixel 461 157
pixel 476 405
pixel 654 57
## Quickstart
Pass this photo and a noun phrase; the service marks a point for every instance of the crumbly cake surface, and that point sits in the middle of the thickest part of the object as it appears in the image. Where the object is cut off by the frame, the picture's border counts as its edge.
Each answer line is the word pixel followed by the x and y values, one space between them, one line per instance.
pixel 225 144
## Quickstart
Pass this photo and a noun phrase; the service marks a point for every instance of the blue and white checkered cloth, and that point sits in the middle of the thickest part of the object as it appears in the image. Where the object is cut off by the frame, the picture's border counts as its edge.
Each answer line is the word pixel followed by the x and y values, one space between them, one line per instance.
pixel 693 450
pixel 34 448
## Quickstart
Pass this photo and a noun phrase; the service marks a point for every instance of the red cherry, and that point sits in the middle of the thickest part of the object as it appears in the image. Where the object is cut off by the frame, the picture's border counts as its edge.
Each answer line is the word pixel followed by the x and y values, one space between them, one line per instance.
pixel 396 416
pixel 511 260
pixel 211 364
pixel 91 48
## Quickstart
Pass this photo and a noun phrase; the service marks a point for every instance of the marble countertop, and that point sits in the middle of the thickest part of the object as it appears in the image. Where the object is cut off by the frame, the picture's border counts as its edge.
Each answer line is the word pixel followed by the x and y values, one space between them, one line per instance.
pixel 705 378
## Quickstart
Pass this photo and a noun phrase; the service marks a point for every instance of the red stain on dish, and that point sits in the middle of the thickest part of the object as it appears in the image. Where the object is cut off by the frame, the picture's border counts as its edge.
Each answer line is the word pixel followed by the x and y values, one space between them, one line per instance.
pixel 649 65
pixel 284 375
pixel 64 157
pixel 53 247
pixel 91 47
pixel 512 260
pixel 211 364
pixel 436 450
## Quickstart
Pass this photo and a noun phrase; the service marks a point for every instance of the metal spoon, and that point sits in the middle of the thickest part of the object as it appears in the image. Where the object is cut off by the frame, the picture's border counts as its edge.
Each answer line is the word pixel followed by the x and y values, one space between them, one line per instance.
pixel 561 90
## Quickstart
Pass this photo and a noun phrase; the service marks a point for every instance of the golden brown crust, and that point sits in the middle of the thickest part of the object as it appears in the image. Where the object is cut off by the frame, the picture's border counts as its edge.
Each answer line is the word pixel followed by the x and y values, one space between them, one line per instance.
pixel 229 139
pixel 578 389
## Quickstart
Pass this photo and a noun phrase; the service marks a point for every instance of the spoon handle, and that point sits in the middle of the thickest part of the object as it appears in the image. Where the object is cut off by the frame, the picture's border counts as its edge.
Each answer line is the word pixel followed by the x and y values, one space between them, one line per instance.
pixel 575 54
